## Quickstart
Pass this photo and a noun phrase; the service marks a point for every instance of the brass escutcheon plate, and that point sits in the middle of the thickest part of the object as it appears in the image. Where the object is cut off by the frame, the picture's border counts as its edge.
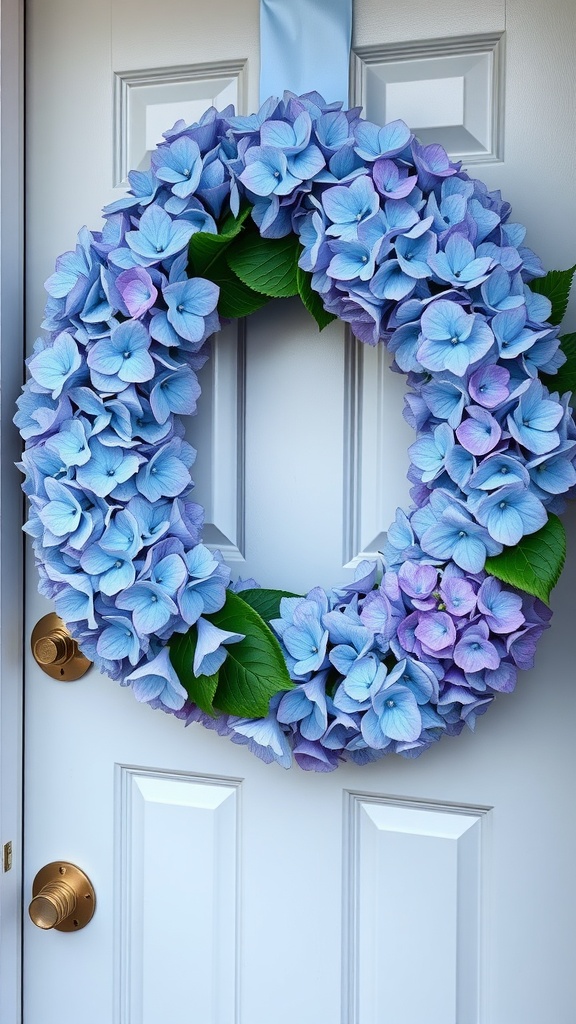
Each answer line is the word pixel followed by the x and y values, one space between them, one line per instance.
pixel 83 890
pixel 48 627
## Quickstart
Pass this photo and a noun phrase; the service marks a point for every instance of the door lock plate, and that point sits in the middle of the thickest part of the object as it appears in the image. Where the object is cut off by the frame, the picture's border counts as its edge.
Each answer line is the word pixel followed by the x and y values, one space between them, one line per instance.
pixel 56 652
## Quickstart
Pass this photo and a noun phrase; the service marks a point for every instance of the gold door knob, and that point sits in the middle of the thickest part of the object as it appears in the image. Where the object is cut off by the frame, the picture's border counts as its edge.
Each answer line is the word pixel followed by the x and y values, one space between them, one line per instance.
pixel 63 898
pixel 56 652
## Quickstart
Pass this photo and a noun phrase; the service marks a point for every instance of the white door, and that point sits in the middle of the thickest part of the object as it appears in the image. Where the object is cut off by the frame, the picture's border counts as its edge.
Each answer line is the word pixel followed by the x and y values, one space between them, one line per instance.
pixel 230 892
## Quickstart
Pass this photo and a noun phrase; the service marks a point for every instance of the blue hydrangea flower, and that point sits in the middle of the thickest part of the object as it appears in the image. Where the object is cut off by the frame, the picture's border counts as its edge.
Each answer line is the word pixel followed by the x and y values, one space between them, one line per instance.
pixel 533 423
pixel 189 305
pixel 71 443
pixel 167 472
pixel 457 263
pixel 306 705
pixel 210 652
pixel 205 587
pixel 107 468
pixel 304 159
pixel 63 515
pixel 554 473
pixel 115 570
pixel 452 339
pixel 501 609
pixel 54 366
pixel 458 537
pixel 373 142
pixel 123 357
pixel 306 638
pixel 263 737
pixel 429 452
pixel 119 640
pixel 150 604
pixel 156 680
pixel 497 470
pixel 174 392
pixel 158 237
pixel 365 676
pixel 179 164
pixel 415 250
pixel 350 206
pixel 266 172
pixel 510 513
pixel 76 602
pixel 394 715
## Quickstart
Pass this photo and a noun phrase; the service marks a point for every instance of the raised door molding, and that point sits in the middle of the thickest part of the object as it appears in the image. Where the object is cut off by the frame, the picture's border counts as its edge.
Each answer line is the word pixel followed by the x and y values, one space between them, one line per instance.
pixel 448 90
pixel 414 897
pixel 148 101
pixel 177 854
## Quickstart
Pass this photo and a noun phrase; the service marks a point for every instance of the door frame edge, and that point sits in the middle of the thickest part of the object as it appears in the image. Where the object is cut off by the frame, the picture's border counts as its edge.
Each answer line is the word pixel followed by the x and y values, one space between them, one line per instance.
pixel 11 539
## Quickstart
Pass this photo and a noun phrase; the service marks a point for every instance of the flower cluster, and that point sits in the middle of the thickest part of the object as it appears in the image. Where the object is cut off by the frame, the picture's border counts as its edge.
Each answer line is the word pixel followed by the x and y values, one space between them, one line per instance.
pixel 409 250
pixel 390 667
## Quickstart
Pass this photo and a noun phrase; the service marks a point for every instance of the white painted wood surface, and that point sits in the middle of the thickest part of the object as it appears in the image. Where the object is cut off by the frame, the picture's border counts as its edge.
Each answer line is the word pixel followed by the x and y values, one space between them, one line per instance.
pixel 438 890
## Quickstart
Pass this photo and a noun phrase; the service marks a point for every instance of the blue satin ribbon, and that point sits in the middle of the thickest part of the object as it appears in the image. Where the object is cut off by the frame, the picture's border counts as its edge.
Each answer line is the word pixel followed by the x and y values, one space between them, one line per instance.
pixel 305 46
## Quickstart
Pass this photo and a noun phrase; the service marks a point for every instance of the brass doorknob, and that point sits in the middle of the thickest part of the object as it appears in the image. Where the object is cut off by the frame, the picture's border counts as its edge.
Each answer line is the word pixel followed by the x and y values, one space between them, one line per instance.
pixel 63 898
pixel 56 652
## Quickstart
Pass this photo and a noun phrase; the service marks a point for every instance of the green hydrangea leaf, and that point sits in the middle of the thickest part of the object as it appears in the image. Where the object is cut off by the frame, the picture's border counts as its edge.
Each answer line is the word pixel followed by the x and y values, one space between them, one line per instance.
pixel 204 248
pixel 556 287
pixel 266 265
pixel 265 602
pixel 565 379
pixel 255 668
pixel 312 300
pixel 200 689
pixel 535 564
pixel 236 299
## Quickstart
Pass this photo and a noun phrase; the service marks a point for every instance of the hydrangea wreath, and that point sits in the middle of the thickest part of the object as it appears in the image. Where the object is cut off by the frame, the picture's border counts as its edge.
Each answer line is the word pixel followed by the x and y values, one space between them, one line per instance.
pixel 371 227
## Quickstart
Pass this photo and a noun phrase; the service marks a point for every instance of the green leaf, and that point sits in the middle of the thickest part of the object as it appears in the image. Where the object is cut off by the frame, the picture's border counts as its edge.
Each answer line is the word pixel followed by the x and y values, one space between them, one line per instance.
pixel 556 287
pixel 312 300
pixel 236 299
pixel 255 668
pixel 565 379
pixel 204 248
pixel 200 689
pixel 267 265
pixel 535 564
pixel 265 602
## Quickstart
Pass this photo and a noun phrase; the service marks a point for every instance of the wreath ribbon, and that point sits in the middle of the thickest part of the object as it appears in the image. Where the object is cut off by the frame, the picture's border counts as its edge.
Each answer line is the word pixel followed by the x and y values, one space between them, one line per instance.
pixel 305 46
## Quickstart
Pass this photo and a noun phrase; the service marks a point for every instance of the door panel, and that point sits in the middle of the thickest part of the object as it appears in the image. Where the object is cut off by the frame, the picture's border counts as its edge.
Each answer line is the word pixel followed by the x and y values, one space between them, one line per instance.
pixel 230 892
